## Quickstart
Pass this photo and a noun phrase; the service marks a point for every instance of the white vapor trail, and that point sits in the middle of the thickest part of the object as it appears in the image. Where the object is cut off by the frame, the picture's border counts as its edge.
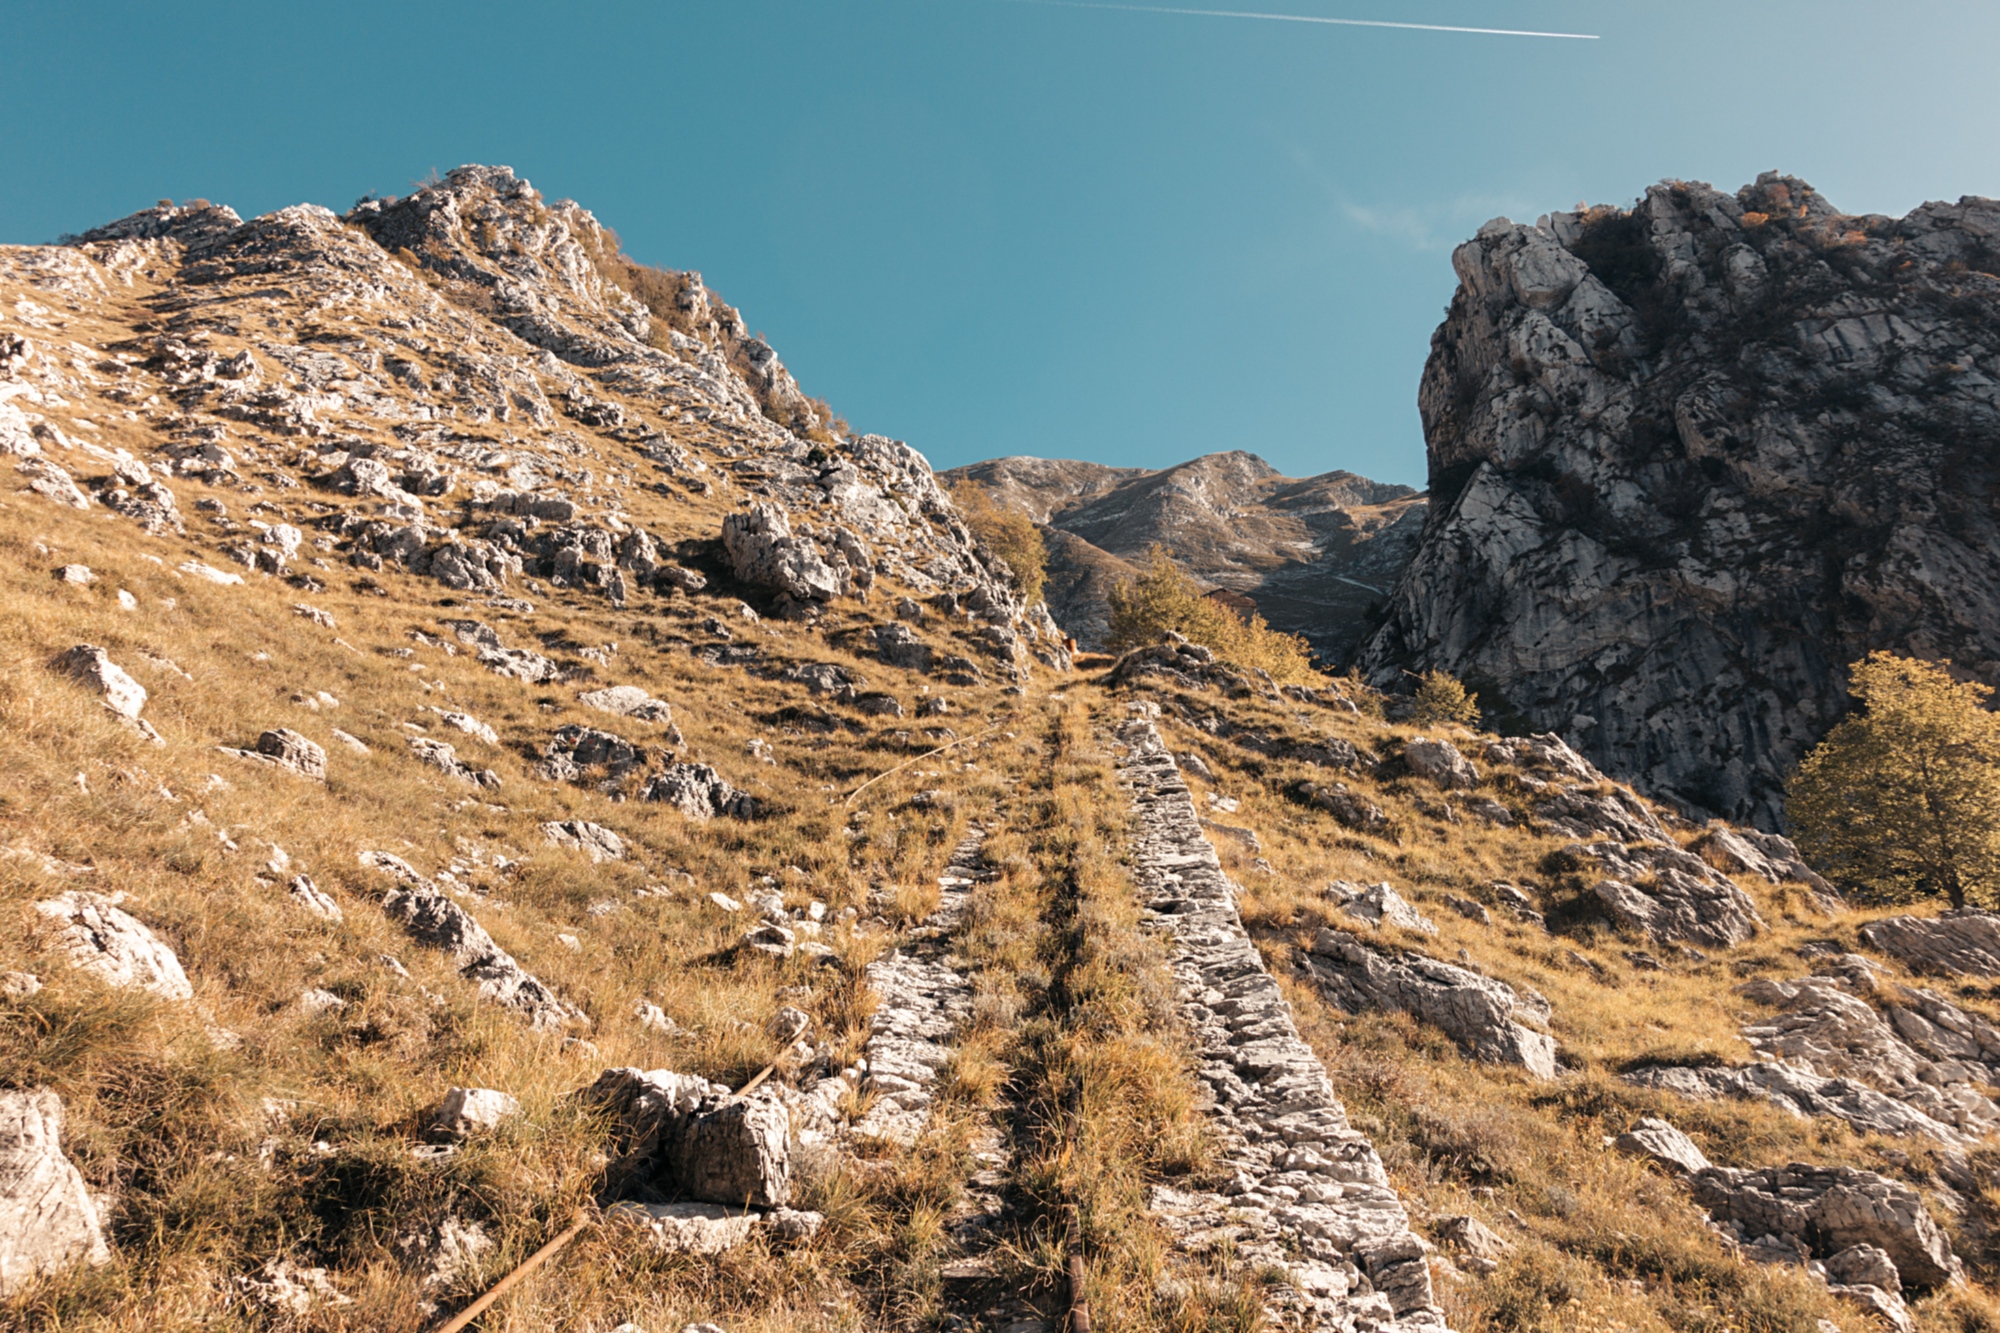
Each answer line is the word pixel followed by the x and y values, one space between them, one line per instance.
pixel 1310 18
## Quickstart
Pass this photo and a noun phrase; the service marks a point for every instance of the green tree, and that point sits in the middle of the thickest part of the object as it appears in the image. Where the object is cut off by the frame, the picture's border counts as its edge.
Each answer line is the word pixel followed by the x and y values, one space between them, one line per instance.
pixel 1164 599
pixel 1902 799
pixel 1009 534
pixel 1442 698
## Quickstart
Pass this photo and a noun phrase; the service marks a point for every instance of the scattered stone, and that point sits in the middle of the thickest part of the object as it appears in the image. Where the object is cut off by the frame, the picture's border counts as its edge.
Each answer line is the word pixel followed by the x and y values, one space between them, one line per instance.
pixel 285 1288
pixel 290 750
pixel 466 1111
pixel 324 619
pixel 1829 1209
pixel 75 574
pixel 19 985
pixel 1467 908
pixel 1354 811
pixel 48 1220
pixel 94 667
pixel 898 645
pixel 1479 1013
pixel 470 725
pixel 1685 899
pixel 518 663
pixel 1472 1237
pixel 1378 905
pixel 106 942
pixel 763 550
pixel 593 840
pixel 1964 943
pixel 687 1228
pixel 628 701
pixel 310 896
pixel 681 1135
pixel 575 748
pixel 314 1002
pixel 354 743
pixel 209 573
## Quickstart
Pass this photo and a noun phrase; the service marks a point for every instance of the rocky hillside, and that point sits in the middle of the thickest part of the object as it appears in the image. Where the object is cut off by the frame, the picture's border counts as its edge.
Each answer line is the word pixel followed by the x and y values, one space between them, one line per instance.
pixel 1690 460
pixel 1314 553
pixel 496 784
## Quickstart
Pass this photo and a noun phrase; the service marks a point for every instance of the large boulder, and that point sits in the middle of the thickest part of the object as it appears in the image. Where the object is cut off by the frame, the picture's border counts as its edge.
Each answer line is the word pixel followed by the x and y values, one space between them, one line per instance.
pixel 677 1136
pixel 102 939
pixel 47 1217
pixel 762 549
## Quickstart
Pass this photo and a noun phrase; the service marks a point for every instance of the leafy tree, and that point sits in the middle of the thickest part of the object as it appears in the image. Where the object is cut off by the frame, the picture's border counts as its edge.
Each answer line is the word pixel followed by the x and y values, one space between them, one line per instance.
pixel 1009 534
pixel 1902 799
pixel 1164 599
pixel 1441 697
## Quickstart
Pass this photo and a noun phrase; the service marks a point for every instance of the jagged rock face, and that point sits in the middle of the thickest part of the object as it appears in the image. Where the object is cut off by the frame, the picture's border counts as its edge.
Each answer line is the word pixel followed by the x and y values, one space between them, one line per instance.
pixel 1314 553
pixel 1689 461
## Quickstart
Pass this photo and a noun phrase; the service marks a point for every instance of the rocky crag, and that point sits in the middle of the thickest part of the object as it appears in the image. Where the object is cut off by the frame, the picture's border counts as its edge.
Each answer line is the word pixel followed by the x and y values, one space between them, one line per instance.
pixel 1314 553
pixel 1689 460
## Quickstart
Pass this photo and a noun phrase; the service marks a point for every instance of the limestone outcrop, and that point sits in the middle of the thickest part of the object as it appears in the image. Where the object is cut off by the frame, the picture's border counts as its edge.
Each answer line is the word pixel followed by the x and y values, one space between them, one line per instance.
pixel 48 1219
pixel 1954 944
pixel 1663 439
pixel 421 908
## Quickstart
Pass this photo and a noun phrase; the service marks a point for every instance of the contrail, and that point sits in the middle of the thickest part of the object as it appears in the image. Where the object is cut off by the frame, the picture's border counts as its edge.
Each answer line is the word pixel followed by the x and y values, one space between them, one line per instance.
pixel 1309 18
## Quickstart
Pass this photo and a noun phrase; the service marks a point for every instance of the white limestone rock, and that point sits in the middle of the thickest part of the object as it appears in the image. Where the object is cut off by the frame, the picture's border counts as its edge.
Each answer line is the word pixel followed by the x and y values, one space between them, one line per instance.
pixel 468 1111
pixel 100 938
pixel 94 667
pixel 628 701
pixel 48 1219
pixel 593 840
pixel 1440 762
pixel 1660 1142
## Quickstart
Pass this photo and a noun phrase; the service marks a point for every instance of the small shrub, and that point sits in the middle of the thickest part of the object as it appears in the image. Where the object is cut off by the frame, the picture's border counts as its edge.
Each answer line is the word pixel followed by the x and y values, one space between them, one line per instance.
pixel 1902 800
pixel 1009 534
pixel 1441 697
pixel 1165 600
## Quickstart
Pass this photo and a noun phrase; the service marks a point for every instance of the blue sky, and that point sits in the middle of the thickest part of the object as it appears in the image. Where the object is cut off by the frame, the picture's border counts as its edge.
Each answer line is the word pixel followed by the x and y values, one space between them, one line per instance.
pixel 991 227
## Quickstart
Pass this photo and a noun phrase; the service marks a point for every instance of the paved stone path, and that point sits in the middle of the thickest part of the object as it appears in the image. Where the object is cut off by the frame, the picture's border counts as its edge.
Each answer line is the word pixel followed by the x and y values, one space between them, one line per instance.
pixel 1309 1193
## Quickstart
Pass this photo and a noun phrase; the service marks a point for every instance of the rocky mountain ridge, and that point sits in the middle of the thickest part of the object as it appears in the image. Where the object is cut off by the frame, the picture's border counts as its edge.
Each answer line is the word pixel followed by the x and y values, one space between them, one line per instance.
pixel 1314 553
pixel 489 769
pixel 1689 460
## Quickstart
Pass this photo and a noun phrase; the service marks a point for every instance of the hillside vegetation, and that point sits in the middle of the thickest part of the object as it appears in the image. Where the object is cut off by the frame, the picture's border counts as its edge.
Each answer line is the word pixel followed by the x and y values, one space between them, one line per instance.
pixel 616 807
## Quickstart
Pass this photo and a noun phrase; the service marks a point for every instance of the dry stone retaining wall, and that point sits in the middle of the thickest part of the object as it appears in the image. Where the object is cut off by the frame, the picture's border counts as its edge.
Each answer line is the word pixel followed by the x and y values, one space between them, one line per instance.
pixel 1309 1194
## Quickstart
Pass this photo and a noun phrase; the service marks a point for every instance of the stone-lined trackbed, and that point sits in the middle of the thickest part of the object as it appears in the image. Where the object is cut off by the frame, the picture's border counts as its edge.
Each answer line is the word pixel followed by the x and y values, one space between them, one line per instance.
pixel 1309 1193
